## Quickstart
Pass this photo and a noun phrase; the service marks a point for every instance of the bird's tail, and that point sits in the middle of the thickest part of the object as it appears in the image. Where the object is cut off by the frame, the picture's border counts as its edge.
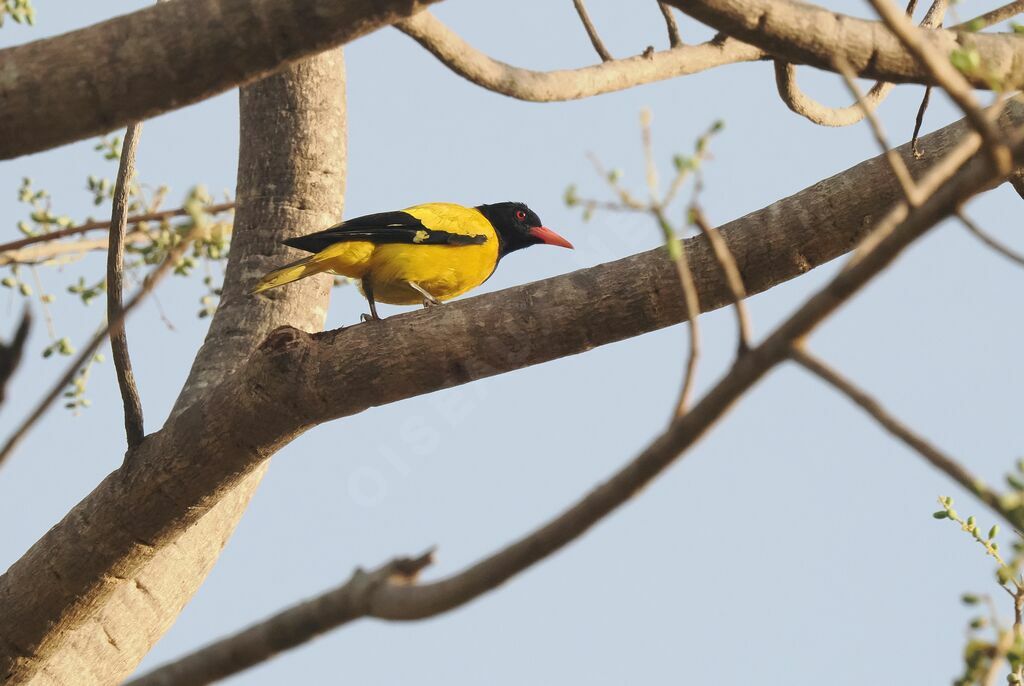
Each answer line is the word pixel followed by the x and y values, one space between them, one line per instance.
pixel 307 266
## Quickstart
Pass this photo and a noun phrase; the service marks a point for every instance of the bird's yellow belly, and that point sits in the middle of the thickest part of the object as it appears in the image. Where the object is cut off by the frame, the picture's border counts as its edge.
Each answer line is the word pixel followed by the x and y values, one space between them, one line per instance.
pixel 443 271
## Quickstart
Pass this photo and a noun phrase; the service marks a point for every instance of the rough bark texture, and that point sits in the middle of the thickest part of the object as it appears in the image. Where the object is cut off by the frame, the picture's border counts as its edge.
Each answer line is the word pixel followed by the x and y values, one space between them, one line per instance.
pixel 94 628
pixel 569 84
pixel 806 34
pixel 121 537
pixel 133 67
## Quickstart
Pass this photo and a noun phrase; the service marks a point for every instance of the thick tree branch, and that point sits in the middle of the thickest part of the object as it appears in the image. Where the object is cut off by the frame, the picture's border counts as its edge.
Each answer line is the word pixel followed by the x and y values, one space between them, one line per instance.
pixel 291 178
pixel 807 34
pixel 72 86
pixel 133 418
pixel 569 84
pixel 296 380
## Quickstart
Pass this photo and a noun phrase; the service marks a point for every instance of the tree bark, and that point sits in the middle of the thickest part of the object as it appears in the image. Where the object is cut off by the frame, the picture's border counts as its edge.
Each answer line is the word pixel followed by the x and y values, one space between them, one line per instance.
pixel 291 178
pixel 122 550
pixel 139 65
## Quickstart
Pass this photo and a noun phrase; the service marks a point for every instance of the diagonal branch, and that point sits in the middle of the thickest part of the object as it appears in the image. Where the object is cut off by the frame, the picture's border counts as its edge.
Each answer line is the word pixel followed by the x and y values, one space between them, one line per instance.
pixel 168 483
pixel 808 34
pixel 940 460
pixel 569 84
pixel 595 39
pixel 73 86
pixel 1007 11
pixel 674 40
pixel 896 230
pixel 133 418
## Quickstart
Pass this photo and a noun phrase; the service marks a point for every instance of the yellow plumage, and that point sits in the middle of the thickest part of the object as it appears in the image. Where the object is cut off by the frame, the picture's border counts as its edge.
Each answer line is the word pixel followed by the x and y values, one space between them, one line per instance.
pixel 444 271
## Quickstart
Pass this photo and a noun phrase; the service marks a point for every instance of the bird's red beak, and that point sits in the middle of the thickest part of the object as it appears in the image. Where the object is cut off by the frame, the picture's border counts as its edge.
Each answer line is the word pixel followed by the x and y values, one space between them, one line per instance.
pixel 546 235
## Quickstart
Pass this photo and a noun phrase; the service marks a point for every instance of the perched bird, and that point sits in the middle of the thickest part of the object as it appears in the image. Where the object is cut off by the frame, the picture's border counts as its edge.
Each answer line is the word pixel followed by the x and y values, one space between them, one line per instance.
pixel 427 253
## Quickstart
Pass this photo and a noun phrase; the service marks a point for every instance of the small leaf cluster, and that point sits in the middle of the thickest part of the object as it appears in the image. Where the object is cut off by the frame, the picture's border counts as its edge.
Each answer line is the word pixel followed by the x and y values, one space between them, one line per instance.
pixel 21 11
pixel 74 396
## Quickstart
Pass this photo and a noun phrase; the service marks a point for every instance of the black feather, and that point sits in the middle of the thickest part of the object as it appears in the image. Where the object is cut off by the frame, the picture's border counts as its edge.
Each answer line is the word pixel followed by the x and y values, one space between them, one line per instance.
pixel 384 227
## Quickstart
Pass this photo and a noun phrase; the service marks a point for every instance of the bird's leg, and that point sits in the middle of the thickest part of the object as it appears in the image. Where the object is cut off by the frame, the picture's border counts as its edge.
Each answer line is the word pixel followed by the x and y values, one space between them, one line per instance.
pixel 428 299
pixel 368 292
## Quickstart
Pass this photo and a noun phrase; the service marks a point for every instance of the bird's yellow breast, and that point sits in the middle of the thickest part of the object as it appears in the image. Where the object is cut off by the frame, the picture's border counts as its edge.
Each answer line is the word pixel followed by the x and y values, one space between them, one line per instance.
pixel 444 271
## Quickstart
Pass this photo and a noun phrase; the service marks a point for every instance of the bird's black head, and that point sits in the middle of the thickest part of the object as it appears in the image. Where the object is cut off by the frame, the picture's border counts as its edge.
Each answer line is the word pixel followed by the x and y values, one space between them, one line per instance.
pixel 519 227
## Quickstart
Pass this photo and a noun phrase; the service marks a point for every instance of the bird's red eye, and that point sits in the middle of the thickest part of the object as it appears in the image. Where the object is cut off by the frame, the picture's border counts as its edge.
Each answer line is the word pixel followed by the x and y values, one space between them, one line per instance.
pixel 520 215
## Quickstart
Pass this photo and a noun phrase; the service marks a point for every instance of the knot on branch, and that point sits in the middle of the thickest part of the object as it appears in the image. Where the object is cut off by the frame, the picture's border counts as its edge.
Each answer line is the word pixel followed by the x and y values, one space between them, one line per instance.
pixel 284 339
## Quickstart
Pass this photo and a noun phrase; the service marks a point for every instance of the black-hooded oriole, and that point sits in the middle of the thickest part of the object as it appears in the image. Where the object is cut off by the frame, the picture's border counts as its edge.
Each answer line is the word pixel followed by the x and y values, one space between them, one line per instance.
pixel 427 253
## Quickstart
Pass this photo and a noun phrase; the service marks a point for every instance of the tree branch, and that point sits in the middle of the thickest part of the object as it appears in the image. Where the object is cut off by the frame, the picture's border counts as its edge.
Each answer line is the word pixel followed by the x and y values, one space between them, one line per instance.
pixel 73 86
pixel 674 41
pixel 1007 11
pixel 133 418
pixel 569 84
pixel 595 39
pixel 905 435
pixel 95 225
pixel 168 483
pixel 807 34
pixel 896 230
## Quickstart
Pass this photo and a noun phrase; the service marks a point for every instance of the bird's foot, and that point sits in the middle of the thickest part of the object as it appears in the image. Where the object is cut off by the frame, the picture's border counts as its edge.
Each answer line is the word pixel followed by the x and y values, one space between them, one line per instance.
pixel 369 318
pixel 431 303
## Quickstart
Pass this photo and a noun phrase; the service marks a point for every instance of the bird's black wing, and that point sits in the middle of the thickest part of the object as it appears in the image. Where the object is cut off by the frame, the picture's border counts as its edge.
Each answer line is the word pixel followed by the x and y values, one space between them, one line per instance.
pixel 384 227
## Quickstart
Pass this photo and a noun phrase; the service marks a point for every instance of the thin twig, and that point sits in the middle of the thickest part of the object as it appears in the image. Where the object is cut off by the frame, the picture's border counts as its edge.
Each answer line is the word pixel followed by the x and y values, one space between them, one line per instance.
pixel 988 240
pixel 730 270
pixel 286 629
pixel 1008 11
pixel 896 163
pixel 592 31
pixel 904 434
pixel 939 67
pixel 919 122
pixel 96 225
pixel 148 284
pixel 671 26
pixel 133 417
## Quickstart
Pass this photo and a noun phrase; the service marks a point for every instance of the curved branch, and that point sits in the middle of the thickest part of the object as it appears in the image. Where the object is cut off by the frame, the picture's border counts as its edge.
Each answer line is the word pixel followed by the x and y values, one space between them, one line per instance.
pixel 72 86
pixel 806 106
pixel 807 34
pixel 169 483
pixel 569 84
pixel 133 418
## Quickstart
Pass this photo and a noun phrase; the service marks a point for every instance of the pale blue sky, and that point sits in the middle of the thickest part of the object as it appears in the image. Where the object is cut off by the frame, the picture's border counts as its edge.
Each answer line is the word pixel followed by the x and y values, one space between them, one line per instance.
pixel 793 546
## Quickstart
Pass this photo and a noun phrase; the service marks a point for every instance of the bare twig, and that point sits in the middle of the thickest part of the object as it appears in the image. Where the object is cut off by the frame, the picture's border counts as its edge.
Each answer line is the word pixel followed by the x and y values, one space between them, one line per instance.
pixel 148 284
pixel 96 225
pixel 287 629
pixel 10 353
pixel 670 25
pixel 569 84
pixel 1007 11
pixel 133 417
pixel 945 74
pixel 896 163
pixel 730 270
pixel 595 39
pixel 805 106
pixel 988 240
pixel 904 434
pixel 919 122
pixel 693 310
